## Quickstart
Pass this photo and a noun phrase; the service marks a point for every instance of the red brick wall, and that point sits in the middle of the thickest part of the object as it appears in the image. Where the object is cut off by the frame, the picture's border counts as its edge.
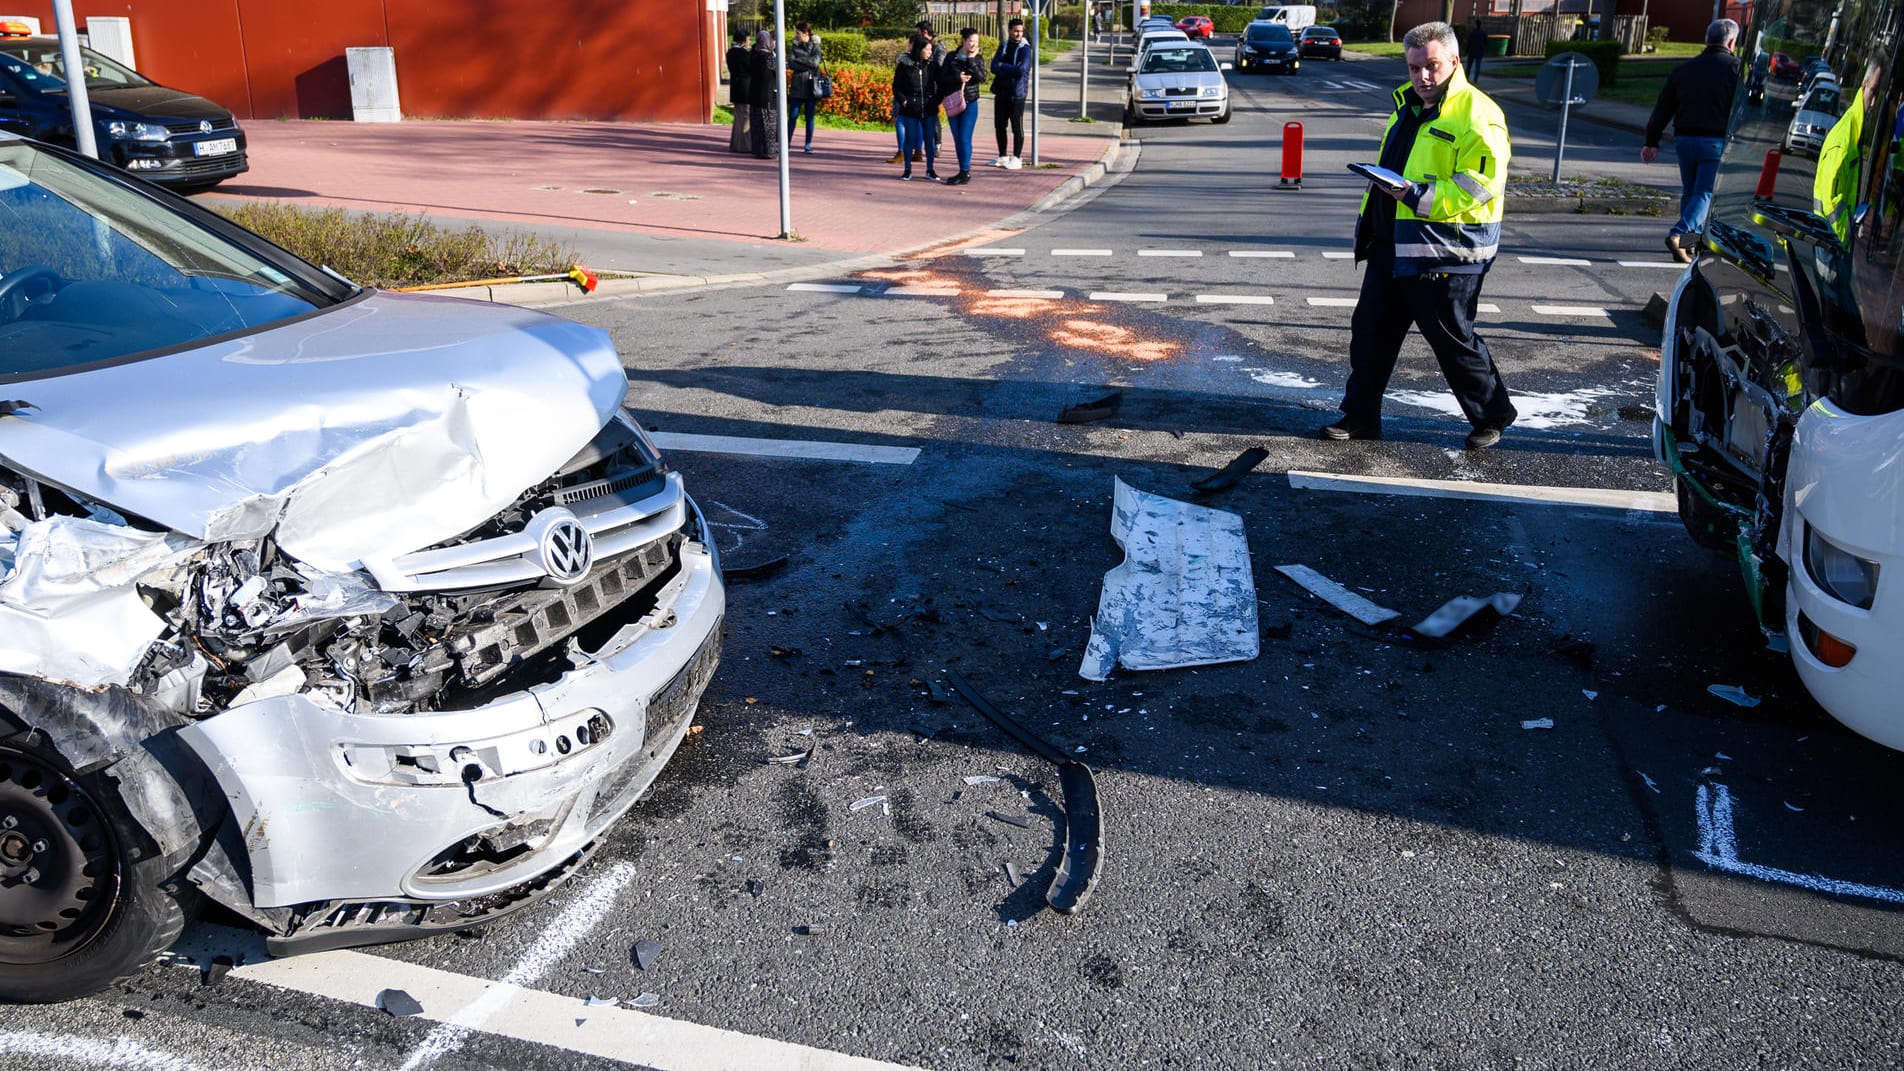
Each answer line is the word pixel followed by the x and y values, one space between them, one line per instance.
pixel 641 60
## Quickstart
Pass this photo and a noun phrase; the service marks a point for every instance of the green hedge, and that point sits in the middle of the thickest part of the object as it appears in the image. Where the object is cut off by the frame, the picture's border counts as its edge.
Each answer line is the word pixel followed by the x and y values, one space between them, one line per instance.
pixel 1228 19
pixel 843 46
pixel 1604 54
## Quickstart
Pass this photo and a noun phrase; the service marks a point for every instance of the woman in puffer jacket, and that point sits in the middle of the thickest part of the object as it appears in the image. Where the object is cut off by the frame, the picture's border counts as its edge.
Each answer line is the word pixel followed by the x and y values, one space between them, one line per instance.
pixel 804 59
pixel 963 70
pixel 913 96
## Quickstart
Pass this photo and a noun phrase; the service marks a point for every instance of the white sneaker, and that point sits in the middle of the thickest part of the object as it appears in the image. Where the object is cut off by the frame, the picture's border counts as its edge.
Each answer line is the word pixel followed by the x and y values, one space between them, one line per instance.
pixel 1013 163
pixel 1000 162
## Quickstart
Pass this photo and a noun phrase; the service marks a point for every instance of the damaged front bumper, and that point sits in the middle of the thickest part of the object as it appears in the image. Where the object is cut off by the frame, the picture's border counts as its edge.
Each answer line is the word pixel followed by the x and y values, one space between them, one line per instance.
pixel 365 825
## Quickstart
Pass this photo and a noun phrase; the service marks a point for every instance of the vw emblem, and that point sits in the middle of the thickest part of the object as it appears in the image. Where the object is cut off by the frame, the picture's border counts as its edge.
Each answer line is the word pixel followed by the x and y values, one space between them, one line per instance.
pixel 564 550
pixel 204 126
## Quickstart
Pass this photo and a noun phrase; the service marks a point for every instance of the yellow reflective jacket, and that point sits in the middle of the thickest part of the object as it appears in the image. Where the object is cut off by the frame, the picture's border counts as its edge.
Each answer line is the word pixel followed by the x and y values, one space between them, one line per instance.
pixel 1451 213
pixel 1834 188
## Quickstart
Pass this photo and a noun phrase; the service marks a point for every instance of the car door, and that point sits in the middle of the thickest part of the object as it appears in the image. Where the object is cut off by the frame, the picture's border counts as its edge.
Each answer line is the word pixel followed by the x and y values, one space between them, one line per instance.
pixel 13 106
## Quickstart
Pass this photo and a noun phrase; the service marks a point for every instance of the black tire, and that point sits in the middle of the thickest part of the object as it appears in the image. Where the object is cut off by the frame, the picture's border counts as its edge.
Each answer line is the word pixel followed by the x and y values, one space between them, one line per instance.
pixel 83 897
pixel 1224 118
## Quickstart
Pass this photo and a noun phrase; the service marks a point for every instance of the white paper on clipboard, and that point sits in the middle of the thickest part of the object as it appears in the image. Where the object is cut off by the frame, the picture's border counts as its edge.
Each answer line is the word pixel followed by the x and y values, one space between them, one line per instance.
pixel 1379 175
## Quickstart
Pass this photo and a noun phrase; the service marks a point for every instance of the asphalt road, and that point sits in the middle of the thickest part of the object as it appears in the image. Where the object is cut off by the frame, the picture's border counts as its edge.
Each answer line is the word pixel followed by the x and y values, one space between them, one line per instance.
pixel 1348 852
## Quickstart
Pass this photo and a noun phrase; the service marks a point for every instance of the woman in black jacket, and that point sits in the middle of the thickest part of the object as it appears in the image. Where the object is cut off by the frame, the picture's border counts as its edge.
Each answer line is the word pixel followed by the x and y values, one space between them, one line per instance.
pixel 803 62
pixel 738 94
pixel 913 99
pixel 763 86
pixel 963 71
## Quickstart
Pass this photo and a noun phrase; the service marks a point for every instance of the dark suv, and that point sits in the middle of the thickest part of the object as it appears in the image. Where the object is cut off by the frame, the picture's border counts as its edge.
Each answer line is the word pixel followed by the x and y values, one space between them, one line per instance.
pixel 162 135
pixel 1267 46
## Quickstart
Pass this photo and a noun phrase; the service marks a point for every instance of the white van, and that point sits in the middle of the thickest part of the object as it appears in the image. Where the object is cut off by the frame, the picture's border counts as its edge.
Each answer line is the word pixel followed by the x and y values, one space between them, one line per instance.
pixel 1294 16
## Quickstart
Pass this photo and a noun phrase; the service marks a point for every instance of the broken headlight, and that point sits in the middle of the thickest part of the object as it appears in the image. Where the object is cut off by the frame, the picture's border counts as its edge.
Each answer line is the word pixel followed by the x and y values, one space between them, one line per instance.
pixel 1843 575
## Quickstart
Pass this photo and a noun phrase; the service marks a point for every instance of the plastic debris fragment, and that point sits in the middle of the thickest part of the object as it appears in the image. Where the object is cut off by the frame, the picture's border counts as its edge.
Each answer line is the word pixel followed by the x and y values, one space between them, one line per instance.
pixel 645 1000
pixel 646 953
pixel 216 970
pixel 1590 694
pixel 1009 819
pixel 601 1002
pixel 1733 694
pixel 979 779
pixel 1650 783
pixel 1465 612
pixel 1012 876
pixel 1538 723
pixel 397 1003
pixel 860 805
pixel 1338 596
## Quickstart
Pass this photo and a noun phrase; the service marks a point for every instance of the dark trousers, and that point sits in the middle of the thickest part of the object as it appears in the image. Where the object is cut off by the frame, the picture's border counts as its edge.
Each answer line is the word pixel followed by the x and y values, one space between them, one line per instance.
pixel 765 123
pixel 1442 305
pixel 1009 111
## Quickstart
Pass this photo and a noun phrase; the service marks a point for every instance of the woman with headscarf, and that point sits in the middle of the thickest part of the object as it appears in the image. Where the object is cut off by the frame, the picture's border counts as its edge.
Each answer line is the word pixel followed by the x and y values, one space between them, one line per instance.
pixel 804 59
pixel 738 95
pixel 963 72
pixel 913 89
pixel 763 84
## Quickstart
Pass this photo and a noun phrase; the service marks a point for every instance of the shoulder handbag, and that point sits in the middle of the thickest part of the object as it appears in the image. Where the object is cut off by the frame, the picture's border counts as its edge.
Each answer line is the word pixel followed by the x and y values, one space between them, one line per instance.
pixel 822 85
pixel 954 102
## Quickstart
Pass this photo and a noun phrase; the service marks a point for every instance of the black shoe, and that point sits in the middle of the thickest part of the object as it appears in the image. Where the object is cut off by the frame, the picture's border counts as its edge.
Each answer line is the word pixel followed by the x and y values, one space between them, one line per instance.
pixel 1344 430
pixel 959 179
pixel 1482 438
pixel 907 177
pixel 933 175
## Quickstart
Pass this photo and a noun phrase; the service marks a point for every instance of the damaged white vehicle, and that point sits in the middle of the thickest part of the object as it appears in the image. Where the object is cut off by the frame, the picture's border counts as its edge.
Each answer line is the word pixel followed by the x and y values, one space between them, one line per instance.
pixel 361 614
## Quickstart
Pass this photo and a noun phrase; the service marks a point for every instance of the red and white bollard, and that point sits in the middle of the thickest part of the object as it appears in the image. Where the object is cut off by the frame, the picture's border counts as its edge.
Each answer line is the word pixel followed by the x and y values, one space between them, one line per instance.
pixel 1292 157
pixel 1768 173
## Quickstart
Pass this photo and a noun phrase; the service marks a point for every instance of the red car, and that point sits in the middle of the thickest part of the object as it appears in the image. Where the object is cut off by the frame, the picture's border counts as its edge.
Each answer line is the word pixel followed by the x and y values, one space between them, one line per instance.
pixel 1195 26
pixel 1784 68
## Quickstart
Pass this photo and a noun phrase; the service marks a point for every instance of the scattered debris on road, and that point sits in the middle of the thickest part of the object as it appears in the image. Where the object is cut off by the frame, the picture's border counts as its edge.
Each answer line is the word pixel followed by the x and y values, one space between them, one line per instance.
pixel 1183 596
pixel 1009 819
pixel 398 1004
pixel 1466 612
pixel 646 953
pixel 1538 723
pixel 1733 694
pixel 1084 412
pixel 1225 478
pixel 862 804
pixel 1338 596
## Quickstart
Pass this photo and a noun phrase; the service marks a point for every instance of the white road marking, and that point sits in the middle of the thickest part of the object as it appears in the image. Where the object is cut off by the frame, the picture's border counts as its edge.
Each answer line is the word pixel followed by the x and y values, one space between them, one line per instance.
pixel 794 448
pixel 994 252
pixel 1487 306
pixel 1719 849
pixel 587 907
pixel 1359 85
pixel 1235 299
pixel 1170 252
pixel 1118 295
pixel 1569 310
pixel 1051 295
pixel 1529 494
pixel 1337 254
pixel 921 291
pixel 1571 262
pixel 754 524
pixel 1333 85
pixel 1673 264
pixel 66 1050
pixel 826 288
pixel 1080 252
pixel 1332 302
pixel 1277 253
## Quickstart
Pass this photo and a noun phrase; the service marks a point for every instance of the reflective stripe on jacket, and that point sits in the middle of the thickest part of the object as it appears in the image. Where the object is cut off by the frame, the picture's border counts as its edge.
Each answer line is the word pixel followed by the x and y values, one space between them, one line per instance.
pixel 1458 170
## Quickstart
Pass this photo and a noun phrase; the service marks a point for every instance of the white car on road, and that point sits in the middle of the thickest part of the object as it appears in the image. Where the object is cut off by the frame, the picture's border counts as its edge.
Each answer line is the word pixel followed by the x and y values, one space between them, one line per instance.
pixel 1178 80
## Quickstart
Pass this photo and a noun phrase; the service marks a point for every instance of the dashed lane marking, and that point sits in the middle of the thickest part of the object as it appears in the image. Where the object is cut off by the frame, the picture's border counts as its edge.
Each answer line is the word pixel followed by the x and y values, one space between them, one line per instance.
pixel 1337 254
pixel 1331 302
pixel 1487 306
pixel 1569 262
pixel 1046 295
pixel 803 449
pixel 1568 310
pixel 1121 295
pixel 1530 494
pixel 1235 299
pixel 825 288
pixel 1283 254
pixel 1081 252
pixel 922 291
pixel 994 252
pixel 1673 264
pixel 1170 252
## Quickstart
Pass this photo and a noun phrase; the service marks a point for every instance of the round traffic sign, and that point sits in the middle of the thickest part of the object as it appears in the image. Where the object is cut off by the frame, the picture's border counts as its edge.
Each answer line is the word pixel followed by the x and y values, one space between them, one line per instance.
pixel 1550 85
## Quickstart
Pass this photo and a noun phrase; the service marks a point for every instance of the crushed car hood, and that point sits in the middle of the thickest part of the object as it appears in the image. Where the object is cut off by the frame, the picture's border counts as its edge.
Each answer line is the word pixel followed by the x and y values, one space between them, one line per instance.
pixel 375 428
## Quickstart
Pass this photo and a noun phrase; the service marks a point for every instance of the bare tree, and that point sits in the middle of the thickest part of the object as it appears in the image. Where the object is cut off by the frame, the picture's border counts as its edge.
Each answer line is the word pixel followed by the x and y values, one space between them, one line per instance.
pixel 1394 12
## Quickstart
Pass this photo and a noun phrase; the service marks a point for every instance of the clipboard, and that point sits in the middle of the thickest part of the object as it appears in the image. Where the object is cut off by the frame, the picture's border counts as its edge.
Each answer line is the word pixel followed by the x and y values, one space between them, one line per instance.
pixel 1381 176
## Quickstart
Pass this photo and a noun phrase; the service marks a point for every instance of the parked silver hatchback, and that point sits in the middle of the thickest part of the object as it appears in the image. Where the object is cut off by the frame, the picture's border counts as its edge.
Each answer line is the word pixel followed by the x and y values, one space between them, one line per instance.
pixel 362 614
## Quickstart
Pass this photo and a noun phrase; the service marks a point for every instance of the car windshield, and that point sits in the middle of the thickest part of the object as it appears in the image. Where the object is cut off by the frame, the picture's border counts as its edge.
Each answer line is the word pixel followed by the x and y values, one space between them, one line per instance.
pixel 1178 60
pixel 1319 32
pixel 93 269
pixel 1823 100
pixel 38 63
pixel 1269 33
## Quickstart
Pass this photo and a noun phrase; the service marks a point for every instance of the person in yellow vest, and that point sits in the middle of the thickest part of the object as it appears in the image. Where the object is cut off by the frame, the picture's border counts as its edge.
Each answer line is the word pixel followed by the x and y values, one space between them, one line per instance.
pixel 1834 189
pixel 1429 244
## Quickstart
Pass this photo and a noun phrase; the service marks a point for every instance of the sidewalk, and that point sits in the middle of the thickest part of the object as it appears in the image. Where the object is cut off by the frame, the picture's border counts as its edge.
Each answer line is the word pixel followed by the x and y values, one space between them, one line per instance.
pixel 672 199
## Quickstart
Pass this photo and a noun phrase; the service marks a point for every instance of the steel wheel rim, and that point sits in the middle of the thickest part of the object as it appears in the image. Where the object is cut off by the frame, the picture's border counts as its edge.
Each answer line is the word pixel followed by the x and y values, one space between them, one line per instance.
pixel 59 867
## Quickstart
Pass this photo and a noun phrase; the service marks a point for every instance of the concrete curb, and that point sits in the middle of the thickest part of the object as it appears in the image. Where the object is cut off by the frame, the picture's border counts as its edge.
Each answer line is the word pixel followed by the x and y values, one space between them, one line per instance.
pixel 1601 206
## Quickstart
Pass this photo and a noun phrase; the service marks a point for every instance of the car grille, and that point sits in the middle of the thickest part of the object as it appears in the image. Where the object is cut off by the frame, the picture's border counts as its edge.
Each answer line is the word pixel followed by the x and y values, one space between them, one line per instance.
pixel 1180 91
pixel 191 167
pixel 190 126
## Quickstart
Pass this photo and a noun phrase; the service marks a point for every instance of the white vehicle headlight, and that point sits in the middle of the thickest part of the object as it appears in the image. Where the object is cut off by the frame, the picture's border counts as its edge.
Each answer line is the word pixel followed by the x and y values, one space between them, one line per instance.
pixel 1212 91
pixel 1843 575
pixel 1153 94
pixel 125 131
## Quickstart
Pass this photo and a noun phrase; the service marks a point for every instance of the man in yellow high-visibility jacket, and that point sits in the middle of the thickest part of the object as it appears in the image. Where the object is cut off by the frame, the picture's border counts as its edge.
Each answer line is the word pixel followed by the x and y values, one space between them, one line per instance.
pixel 1428 244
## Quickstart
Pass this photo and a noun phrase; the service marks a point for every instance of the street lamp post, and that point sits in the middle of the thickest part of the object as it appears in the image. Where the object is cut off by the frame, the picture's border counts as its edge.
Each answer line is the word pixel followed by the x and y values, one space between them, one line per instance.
pixel 76 96
pixel 780 134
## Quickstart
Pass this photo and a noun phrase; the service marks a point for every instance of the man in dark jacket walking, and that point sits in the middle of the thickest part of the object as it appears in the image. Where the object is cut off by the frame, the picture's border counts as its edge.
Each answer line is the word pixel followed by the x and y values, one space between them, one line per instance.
pixel 739 97
pixel 1011 84
pixel 1697 100
pixel 763 86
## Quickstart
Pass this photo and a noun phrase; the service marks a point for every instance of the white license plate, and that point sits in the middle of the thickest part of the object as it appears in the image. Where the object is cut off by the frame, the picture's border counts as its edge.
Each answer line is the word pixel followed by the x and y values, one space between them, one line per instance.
pixel 217 147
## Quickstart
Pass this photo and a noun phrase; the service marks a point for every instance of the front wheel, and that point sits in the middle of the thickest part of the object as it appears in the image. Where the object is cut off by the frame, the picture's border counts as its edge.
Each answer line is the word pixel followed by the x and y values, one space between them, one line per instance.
pixel 1224 118
pixel 81 903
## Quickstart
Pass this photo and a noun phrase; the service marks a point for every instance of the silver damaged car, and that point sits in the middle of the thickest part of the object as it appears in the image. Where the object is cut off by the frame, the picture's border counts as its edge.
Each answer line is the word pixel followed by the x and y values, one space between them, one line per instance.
pixel 361 614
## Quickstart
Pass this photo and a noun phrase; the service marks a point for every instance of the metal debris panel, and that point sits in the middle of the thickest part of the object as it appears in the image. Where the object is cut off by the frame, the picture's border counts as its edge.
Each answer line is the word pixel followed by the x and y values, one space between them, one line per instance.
pixel 1184 595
